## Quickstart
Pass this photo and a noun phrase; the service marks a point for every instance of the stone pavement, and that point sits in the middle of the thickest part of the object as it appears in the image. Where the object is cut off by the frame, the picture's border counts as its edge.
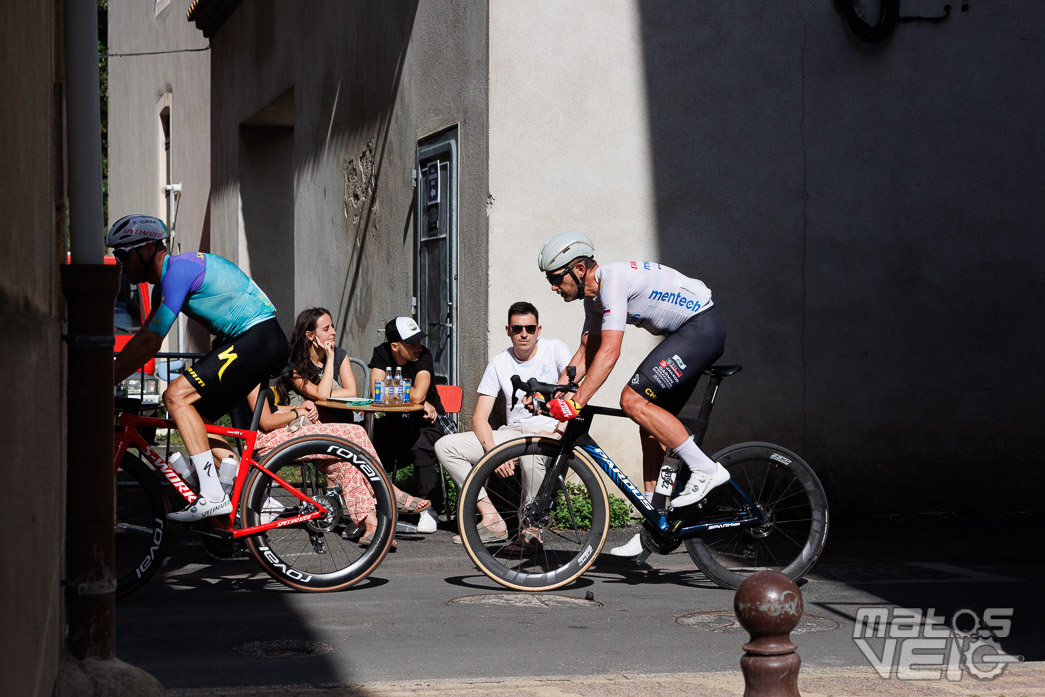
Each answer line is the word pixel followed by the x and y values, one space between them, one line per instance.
pixel 1024 680
pixel 429 624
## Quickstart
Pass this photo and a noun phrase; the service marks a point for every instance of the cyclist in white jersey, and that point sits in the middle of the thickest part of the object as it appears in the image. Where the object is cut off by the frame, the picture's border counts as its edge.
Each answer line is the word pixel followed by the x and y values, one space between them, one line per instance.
pixel 666 303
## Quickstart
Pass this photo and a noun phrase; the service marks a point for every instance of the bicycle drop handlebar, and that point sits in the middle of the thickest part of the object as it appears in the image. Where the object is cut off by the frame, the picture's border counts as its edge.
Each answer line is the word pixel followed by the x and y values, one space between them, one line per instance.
pixel 546 390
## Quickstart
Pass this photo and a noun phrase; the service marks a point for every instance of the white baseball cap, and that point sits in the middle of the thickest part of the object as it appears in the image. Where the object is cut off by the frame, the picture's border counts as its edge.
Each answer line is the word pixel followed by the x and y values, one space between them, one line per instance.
pixel 404 330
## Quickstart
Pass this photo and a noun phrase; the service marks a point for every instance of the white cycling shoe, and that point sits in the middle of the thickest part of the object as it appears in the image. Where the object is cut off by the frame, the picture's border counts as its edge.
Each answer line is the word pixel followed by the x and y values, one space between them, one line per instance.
pixel 202 508
pixel 631 548
pixel 699 485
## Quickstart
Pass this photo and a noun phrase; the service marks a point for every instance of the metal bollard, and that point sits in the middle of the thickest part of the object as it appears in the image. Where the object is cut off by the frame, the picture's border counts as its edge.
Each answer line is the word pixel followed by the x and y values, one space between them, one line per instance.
pixel 768 605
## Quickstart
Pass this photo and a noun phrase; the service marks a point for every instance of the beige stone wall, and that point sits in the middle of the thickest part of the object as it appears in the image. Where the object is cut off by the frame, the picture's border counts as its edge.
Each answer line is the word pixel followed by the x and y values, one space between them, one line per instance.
pixel 569 150
pixel 31 353
pixel 316 120
pixel 172 75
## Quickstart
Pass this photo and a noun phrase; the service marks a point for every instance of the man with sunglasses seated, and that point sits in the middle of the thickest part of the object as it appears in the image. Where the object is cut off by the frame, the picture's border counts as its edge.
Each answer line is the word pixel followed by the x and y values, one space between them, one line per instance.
pixel 529 356
pixel 248 347
pixel 665 303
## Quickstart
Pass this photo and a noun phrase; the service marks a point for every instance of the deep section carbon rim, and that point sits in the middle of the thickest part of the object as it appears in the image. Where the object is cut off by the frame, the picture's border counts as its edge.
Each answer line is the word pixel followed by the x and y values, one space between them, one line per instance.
pixel 141 531
pixel 791 497
pixel 541 550
pixel 324 554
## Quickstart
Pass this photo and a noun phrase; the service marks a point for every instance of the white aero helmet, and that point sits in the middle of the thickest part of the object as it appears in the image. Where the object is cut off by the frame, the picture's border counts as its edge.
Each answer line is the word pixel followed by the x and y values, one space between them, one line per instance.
pixel 563 248
pixel 136 228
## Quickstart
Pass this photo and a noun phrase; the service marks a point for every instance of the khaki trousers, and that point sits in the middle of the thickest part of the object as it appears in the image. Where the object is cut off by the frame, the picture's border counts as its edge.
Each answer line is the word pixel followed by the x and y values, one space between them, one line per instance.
pixel 458 453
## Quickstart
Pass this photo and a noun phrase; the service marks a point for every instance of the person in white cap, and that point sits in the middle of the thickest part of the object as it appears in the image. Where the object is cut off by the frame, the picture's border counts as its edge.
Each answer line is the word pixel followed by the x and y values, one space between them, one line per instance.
pixel 411 436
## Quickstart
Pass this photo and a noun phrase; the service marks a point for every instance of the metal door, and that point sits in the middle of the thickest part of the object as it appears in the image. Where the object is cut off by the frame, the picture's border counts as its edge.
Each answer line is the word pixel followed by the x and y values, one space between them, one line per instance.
pixel 437 250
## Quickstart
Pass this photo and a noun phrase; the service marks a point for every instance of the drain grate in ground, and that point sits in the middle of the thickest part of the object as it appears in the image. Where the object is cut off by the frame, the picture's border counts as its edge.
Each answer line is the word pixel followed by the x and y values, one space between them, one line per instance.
pixel 284 648
pixel 726 621
pixel 523 600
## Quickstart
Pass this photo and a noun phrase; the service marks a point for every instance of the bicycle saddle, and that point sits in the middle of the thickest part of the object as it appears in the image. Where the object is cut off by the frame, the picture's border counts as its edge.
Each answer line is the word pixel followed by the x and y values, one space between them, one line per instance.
pixel 723 371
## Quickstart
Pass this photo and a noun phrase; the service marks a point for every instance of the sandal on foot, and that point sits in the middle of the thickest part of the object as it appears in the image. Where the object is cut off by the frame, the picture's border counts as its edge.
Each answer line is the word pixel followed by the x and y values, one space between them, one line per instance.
pixel 368 539
pixel 405 503
pixel 486 535
pixel 528 542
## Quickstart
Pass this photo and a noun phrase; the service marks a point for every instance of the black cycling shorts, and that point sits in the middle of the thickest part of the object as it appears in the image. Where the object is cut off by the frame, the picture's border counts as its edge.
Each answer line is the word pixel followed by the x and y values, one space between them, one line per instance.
pixel 669 374
pixel 235 367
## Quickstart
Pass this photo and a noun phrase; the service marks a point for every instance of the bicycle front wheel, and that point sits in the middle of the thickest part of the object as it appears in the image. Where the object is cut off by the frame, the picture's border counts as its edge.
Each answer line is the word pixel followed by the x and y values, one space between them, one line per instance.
pixel 323 554
pixel 141 531
pixel 560 542
pixel 789 494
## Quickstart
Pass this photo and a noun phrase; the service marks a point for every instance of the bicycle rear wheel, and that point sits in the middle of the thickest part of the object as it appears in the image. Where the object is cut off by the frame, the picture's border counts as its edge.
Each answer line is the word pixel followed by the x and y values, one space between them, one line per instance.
pixel 571 530
pixel 141 530
pixel 790 495
pixel 321 554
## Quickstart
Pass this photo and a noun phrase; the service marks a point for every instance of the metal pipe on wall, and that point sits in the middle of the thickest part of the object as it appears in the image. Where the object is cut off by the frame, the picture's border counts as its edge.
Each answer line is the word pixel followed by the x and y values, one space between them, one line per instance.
pixel 84 133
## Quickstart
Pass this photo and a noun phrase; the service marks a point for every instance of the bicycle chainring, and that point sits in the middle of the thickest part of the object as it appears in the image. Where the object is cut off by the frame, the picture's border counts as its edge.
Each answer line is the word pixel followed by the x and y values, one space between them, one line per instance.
pixel 660 546
pixel 220 548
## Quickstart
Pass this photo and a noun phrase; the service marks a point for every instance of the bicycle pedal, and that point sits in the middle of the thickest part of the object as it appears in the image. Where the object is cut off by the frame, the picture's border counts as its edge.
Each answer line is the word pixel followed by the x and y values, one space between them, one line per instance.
pixel 642 556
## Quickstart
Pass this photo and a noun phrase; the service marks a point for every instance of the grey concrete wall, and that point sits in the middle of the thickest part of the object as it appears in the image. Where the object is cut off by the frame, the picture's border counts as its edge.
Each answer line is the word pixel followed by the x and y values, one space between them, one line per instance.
pixel 367 82
pixel 32 245
pixel 866 216
pixel 874 234
pixel 137 88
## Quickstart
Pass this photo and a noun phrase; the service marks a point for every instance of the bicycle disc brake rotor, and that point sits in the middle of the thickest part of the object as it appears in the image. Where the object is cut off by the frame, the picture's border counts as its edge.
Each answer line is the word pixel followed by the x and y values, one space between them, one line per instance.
pixel 766 529
pixel 660 546
pixel 328 522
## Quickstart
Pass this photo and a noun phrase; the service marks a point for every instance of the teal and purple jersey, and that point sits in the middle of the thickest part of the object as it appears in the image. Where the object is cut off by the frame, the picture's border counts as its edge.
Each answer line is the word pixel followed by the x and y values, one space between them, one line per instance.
pixel 211 290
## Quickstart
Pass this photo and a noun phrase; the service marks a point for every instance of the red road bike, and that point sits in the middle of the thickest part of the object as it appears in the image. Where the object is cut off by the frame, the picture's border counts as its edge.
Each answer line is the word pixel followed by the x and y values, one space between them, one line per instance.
pixel 292 522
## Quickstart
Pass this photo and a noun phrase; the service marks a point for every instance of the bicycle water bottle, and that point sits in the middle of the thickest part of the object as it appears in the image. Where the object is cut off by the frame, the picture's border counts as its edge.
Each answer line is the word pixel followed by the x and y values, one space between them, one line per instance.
pixel 398 382
pixel 227 473
pixel 184 469
pixel 669 470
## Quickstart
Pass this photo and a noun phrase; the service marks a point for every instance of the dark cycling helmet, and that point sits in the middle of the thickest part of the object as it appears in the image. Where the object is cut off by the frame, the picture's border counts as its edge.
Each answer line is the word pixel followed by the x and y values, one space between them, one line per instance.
pixel 136 228
pixel 563 248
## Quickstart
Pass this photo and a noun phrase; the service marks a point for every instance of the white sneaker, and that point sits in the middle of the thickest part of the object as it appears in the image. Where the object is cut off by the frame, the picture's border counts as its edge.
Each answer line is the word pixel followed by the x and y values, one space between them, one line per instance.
pixel 699 485
pixel 202 509
pixel 426 524
pixel 631 548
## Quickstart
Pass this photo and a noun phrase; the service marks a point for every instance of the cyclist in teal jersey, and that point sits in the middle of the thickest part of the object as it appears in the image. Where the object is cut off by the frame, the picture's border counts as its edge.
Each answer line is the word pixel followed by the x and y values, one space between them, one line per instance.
pixel 248 347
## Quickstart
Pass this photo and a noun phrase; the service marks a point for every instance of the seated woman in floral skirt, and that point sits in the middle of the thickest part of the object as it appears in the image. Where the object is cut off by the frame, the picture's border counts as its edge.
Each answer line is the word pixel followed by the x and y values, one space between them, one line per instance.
pixel 321 370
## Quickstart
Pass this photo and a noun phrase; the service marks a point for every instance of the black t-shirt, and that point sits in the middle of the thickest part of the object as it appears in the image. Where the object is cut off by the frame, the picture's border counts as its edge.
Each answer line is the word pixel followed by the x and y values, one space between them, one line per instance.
pixel 382 359
pixel 340 355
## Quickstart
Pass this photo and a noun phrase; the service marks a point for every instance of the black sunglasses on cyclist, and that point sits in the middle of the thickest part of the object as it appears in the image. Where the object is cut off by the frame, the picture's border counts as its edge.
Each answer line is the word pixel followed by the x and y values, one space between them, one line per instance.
pixel 556 278
pixel 122 254
pixel 518 328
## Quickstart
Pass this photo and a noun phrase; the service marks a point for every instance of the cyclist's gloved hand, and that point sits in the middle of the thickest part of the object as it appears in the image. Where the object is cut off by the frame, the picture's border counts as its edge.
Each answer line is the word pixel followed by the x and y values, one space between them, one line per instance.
pixel 563 409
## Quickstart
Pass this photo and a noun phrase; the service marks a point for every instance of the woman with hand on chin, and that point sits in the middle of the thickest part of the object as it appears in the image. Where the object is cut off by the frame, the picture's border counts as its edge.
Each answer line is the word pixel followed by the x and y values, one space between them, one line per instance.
pixel 322 370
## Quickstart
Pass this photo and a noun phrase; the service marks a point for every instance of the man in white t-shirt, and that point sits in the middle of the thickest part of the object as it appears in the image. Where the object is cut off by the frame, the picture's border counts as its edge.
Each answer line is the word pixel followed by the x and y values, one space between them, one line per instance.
pixel 529 356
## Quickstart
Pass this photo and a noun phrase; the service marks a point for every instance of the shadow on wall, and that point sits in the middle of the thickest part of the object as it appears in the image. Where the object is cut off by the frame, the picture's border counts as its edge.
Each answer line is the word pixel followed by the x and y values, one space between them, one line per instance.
pixel 345 75
pixel 861 219
pixel 267 200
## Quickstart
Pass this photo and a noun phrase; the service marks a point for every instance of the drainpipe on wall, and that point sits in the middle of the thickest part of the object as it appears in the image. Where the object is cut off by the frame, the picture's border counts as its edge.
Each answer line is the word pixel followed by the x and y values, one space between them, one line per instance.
pixel 90 288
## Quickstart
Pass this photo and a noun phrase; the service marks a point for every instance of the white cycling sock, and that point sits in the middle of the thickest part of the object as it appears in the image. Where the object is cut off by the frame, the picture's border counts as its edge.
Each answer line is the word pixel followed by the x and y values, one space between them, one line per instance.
pixel 210 487
pixel 648 495
pixel 694 457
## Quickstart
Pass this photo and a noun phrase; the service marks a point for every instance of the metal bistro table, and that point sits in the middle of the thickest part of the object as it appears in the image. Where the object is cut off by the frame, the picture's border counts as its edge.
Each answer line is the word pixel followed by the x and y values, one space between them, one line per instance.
pixel 368 410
